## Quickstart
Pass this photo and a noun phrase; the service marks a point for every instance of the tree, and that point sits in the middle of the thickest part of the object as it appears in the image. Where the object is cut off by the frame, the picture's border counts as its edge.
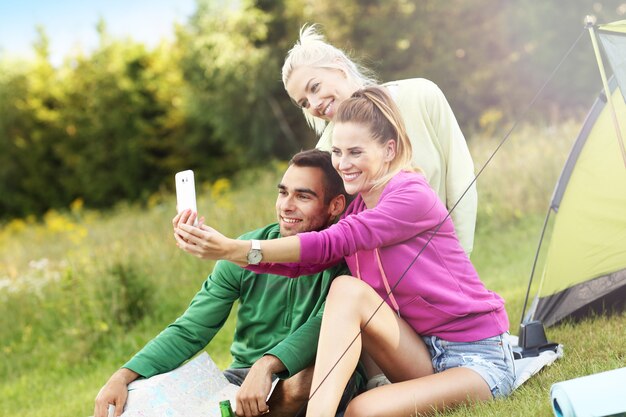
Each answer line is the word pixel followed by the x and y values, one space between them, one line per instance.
pixel 29 134
pixel 232 65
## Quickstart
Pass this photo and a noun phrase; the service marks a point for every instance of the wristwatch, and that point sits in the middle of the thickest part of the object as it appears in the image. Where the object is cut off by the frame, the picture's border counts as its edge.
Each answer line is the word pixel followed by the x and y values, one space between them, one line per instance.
pixel 254 254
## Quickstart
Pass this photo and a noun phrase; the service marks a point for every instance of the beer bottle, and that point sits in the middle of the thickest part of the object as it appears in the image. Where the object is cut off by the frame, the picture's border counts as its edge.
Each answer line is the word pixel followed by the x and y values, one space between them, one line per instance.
pixel 225 409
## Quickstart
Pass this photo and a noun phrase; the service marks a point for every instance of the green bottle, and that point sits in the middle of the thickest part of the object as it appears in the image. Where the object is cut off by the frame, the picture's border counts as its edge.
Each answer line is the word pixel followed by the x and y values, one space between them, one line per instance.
pixel 225 409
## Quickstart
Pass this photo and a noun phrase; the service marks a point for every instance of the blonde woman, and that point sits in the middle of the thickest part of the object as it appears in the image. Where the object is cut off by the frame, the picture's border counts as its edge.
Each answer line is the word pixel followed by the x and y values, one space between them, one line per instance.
pixel 319 76
pixel 414 302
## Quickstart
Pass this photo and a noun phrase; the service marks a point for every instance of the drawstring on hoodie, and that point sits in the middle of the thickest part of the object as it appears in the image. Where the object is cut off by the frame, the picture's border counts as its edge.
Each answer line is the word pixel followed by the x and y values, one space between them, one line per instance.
pixel 383 275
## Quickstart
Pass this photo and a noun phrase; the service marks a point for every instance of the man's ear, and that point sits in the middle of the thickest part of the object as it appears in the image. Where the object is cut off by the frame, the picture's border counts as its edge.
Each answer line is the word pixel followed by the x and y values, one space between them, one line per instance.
pixel 337 205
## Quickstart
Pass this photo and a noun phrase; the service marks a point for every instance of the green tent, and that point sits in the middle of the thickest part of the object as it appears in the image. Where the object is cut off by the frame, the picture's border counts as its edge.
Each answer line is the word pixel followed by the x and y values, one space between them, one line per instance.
pixel 584 262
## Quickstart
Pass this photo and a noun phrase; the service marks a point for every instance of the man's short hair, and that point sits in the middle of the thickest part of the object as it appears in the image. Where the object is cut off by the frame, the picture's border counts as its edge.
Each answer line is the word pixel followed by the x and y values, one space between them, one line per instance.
pixel 315 158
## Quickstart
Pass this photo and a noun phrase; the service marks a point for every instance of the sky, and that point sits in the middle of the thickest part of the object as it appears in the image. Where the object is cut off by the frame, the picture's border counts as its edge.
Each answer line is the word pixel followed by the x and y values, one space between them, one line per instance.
pixel 71 24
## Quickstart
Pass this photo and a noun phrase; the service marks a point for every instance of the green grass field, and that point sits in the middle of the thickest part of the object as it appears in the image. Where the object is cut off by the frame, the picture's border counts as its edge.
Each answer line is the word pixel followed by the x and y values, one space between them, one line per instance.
pixel 81 291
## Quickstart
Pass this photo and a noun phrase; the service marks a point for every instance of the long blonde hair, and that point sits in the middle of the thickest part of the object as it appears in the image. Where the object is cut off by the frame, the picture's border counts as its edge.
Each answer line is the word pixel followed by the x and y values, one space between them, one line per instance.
pixel 311 50
pixel 374 108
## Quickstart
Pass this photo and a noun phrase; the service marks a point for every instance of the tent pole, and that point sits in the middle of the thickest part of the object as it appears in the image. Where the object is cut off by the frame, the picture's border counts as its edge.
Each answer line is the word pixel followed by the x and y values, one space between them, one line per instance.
pixel 532 272
pixel 589 24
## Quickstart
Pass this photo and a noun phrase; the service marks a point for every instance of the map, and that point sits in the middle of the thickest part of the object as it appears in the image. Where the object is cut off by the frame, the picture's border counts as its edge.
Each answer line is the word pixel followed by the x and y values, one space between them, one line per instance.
pixel 193 390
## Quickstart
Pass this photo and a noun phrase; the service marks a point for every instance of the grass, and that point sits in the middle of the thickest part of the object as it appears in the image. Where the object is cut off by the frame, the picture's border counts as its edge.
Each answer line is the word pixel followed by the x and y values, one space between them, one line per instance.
pixel 81 291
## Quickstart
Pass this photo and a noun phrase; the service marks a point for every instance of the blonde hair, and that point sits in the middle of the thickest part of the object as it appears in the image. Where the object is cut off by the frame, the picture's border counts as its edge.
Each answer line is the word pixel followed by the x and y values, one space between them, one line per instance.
pixel 374 108
pixel 311 50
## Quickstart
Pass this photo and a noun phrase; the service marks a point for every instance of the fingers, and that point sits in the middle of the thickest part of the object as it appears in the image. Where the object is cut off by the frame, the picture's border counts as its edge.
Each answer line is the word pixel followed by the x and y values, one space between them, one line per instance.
pixel 206 228
pixel 191 244
pixel 182 242
pixel 251 407
pixel 262 406
pixel 103 405
pixel 191 218
pixel 119 406
pixel 191 234
pixel 100 410
pixel 184 217
pixel 203 242
pixel 251 399
pixel 175 220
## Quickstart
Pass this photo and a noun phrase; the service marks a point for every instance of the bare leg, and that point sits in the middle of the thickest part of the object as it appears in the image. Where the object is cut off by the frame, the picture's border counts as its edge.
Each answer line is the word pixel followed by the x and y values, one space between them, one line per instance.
pixel 375 376
pixel 421 396
pixel 291 395
pixel 371 368
pixel 391 342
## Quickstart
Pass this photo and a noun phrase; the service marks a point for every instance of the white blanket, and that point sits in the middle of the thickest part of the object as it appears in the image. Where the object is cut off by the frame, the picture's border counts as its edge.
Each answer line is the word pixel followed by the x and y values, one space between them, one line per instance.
pixel 527 367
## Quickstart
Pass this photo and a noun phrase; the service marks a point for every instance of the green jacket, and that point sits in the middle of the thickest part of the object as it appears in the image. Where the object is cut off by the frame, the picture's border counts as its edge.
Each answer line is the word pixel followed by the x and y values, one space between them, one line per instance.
pixel 277 315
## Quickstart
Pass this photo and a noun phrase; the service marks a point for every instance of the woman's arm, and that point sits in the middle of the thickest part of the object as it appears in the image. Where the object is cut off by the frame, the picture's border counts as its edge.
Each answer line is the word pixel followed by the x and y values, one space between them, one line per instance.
pixel 281 256
pixel 407 207
pixel 205 242
pixel 290 269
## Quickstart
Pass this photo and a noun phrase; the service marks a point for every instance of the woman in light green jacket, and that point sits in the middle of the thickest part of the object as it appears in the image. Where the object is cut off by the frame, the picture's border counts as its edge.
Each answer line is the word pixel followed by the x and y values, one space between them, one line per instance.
pixel 319 76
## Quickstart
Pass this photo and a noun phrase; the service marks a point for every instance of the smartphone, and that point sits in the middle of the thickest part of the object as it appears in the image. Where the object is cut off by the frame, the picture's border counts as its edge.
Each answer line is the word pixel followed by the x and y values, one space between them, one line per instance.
pixel 186 192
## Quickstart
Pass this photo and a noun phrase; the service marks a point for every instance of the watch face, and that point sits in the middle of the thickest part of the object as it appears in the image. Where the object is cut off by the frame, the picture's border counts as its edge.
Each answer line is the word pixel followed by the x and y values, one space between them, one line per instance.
pixel 254 256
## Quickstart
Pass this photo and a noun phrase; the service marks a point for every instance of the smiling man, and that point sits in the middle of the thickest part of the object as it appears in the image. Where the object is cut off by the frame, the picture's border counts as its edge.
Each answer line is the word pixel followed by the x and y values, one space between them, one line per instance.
pixel 278 318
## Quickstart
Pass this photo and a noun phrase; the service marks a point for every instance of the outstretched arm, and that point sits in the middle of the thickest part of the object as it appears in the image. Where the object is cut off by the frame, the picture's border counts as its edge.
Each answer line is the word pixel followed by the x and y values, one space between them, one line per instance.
pixel 281 256
pixel 205 242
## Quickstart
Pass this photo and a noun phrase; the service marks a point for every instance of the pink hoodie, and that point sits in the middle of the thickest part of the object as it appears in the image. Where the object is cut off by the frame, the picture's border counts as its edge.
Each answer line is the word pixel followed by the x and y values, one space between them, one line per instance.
pixel 439 293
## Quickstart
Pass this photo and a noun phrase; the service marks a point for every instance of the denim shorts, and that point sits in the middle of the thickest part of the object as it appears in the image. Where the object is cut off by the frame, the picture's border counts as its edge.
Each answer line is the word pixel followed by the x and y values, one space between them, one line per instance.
pixel 492 358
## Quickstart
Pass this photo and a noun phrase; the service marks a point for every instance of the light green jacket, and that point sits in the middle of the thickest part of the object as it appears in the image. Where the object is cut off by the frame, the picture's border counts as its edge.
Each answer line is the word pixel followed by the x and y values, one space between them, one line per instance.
pixel 439 149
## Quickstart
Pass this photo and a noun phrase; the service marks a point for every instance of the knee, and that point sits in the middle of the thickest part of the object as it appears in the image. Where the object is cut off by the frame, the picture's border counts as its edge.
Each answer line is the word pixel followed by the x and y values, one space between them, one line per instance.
pixel 345 288
pixel 287 401
pixel 293 392
pixel 357 408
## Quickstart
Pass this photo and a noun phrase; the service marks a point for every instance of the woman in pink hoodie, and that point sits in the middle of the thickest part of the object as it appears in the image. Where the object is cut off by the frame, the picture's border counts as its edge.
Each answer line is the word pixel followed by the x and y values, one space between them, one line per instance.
pixel 415 303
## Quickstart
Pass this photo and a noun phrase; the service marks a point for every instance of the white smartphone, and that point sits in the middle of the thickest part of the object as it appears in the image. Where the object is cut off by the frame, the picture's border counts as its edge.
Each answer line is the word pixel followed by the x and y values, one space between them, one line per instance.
pixel 186 192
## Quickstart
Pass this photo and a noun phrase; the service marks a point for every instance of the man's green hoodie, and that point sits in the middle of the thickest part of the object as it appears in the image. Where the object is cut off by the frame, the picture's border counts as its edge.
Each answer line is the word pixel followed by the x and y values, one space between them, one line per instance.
pixel 277 316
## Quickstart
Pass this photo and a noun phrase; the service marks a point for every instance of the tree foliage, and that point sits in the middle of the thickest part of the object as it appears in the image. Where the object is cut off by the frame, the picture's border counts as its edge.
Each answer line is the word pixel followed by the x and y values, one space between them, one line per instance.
pixel 117 123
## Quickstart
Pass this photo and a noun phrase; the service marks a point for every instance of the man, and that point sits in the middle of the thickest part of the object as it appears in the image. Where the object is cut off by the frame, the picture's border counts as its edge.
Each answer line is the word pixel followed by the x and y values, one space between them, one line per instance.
pixel 278 319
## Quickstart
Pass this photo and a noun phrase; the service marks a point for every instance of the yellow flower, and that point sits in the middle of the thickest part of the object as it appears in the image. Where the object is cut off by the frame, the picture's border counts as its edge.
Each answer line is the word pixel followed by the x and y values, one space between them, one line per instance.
pixel 154 200
pixel 77 206
pixel 15 226
pixel 220 187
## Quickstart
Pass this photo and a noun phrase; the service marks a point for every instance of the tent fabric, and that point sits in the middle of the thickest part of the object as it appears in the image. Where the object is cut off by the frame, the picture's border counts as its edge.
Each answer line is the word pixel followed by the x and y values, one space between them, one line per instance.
pixel 588 239
pixel 613 39
pixel 589 235
pixel 616 27
pixel 596 296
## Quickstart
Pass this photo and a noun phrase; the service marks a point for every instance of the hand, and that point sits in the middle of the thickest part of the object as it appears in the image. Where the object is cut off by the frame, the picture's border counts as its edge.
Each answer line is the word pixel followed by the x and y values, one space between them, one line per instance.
pixel 251 397
pixel 205 242
pixel 115 392
pixel 186 217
